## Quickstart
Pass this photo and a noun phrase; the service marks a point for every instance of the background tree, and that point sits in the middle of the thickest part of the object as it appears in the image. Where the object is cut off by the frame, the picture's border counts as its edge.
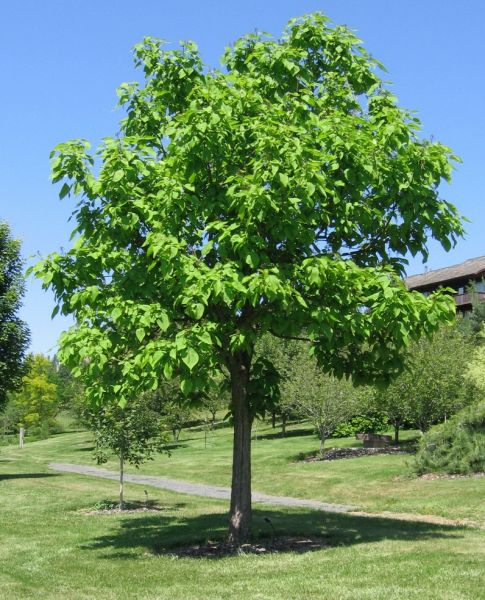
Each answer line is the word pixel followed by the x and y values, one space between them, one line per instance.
pixel 395 404
pixel 321 399
pixel 216 399
pixel 176 416
pixel 134 433
pixel 69 389
pixel 433 385
pixel 472 323
pixel 475 369
pixel 36 402
pixel 280 194
pixel 14 335
pixel 174 406
pixel 282 354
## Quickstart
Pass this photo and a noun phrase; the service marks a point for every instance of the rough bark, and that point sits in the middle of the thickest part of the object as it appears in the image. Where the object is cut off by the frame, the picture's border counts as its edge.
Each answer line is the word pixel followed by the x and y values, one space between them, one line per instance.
pixel 240 511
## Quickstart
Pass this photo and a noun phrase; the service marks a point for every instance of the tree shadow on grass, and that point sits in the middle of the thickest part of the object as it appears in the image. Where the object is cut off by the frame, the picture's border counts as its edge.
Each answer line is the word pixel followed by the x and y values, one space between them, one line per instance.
pixel 4 476
pixel 164 534
pixel 289 434
pixel 176 445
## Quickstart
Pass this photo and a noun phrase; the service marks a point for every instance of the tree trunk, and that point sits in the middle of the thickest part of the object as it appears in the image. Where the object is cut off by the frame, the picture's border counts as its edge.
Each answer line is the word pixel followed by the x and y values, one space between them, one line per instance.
pixel 321 435
pixel 240 511
pixel 122 499
pixel 283 424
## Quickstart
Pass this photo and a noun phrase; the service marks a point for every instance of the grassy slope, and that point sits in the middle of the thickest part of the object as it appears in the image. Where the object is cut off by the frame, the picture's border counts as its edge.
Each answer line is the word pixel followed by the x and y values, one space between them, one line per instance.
pixel 49 550
pixel 374 483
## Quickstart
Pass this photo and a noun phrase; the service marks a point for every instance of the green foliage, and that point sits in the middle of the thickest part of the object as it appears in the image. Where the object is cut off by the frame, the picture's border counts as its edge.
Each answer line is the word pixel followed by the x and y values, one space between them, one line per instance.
pixel 475 371
pixel 11 417
pixel 368 423
pixel 174 407
pixel 434 385
pixel 14 335
pixel 310 394
pixel 473 322
pixel 176 416
pixel 216 399
pixel 69 390
pixel 306 392
pixel 36 403
pixel 105 505
pixel 134 432
pixel 280 194
pixel 457 446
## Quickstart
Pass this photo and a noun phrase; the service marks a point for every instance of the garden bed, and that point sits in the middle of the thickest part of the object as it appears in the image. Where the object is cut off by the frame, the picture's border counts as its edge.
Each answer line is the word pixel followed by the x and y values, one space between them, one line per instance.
pixel 341 453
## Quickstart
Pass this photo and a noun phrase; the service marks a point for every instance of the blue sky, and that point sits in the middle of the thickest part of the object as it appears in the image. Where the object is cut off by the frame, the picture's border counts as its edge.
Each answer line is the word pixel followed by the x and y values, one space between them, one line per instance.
pixel 61 62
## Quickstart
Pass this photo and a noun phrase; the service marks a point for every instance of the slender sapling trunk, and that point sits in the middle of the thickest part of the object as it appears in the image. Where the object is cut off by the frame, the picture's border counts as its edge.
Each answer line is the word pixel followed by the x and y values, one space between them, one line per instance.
pixel 323 437
pixel 122 500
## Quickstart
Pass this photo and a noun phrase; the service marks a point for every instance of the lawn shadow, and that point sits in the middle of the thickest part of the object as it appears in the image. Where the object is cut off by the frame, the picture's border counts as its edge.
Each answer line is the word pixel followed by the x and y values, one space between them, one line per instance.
pixel 289 434
pixel 176 445
pixel 172 534
pixel 4 476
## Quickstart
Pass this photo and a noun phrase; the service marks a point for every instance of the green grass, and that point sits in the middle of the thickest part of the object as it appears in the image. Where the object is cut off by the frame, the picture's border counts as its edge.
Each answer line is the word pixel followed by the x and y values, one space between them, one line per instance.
pixel 373 483
pixel 51 550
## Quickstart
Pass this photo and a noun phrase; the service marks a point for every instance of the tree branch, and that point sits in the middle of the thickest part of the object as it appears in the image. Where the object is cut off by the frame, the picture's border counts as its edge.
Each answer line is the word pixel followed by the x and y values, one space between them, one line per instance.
pixel 291 337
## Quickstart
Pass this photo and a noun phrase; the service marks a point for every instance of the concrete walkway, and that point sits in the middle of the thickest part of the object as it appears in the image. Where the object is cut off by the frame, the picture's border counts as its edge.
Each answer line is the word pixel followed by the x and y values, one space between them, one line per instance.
pixel 199 489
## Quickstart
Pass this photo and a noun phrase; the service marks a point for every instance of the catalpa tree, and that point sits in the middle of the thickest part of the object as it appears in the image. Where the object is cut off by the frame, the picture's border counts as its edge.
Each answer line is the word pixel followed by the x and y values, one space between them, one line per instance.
pixel 279 195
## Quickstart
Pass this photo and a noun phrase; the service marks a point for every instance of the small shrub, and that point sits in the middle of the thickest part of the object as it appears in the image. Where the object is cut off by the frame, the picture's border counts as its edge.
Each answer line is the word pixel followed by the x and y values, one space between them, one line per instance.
pixel 371 423
pixel 457 446
pixel 105 505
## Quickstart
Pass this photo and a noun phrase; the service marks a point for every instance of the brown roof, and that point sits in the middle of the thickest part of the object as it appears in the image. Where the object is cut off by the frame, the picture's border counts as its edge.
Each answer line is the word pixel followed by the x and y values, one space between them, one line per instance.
pixel 471 268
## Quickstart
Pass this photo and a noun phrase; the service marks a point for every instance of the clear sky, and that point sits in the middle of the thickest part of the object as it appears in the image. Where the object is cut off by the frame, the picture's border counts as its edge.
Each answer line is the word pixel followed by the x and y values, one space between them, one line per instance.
pixel 62 60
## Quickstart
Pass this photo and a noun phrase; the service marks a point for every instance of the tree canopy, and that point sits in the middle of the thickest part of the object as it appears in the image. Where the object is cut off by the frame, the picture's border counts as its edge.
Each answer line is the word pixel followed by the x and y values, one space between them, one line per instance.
pixel 280 194
pixel 14 335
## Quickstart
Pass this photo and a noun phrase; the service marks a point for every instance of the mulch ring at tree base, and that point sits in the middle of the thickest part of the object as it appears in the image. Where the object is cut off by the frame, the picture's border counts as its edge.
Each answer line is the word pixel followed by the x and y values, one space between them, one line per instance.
pixel 221 549
pixel 112 508
pixel 340 453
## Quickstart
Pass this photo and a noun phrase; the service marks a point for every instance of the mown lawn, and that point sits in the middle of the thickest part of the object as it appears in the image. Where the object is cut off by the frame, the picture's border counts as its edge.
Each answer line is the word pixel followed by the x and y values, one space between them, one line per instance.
pixel 373 483
pixel 50 550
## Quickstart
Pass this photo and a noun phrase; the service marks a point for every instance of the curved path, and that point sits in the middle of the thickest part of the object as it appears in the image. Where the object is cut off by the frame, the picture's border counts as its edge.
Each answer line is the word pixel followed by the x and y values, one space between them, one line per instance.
pixel 224 493
pixel 198 489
